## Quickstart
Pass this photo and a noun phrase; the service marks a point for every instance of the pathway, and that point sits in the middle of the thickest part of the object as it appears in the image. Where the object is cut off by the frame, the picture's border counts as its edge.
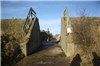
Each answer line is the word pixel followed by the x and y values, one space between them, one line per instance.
pixel 52 55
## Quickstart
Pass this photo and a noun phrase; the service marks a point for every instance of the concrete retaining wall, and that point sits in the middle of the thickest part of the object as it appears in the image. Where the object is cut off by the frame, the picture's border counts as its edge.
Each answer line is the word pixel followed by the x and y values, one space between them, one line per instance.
pixel 66 42
pixel 34 41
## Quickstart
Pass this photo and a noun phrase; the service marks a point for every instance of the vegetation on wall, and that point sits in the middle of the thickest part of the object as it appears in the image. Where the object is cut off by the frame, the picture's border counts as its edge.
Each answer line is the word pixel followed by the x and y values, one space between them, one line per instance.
pixel 86 29
pixel 10 50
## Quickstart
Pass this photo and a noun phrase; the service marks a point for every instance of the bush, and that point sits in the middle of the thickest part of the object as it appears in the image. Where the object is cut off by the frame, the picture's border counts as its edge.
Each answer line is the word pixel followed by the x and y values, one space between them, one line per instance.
pixel 10 50
pixel 45 35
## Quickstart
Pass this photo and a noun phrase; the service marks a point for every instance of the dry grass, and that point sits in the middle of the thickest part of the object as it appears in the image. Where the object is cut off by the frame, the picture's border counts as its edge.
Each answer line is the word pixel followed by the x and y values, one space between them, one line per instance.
pixel 86 36
pixel 13 27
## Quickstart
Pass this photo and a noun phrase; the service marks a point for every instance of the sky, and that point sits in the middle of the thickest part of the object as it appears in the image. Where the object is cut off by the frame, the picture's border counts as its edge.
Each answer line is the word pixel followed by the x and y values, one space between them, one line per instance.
pixel 49 12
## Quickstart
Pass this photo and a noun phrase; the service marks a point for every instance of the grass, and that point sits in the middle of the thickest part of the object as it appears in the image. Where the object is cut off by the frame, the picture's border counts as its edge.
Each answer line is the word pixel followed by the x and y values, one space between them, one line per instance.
pixel 86 31
pixel 86 35
pixel 13 27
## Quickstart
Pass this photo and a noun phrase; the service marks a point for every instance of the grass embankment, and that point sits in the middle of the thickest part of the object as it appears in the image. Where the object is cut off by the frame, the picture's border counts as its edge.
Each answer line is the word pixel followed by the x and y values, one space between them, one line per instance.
pixel 86 36
pixel 13 27
pixel 11 35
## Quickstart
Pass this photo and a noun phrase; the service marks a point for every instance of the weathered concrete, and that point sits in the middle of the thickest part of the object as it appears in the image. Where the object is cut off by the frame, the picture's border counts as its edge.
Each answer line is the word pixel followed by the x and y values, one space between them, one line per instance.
pixel 63 35
pixel 32 39
pixel 66 42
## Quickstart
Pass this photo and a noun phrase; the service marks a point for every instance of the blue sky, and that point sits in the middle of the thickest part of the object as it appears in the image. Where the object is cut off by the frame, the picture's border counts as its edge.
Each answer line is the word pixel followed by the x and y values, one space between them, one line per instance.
pixel 49 12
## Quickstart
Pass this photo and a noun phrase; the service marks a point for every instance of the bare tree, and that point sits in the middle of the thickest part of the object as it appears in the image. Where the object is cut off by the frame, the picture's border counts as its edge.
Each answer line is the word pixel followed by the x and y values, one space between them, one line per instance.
pixel 83 29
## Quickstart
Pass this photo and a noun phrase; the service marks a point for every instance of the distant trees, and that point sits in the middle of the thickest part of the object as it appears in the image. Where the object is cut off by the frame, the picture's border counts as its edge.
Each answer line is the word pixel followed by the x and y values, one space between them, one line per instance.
pixel 45 35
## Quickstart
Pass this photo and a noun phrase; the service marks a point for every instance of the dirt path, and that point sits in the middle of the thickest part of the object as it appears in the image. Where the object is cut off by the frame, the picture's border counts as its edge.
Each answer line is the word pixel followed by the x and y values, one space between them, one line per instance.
pixel 52 56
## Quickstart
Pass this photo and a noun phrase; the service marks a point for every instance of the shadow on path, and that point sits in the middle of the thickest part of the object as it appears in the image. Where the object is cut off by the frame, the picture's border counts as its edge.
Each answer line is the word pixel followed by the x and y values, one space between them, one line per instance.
pixel 96 59
pixel 76 61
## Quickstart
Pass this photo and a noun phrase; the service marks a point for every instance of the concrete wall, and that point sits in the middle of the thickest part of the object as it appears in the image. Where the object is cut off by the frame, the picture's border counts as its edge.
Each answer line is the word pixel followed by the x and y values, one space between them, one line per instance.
pixel 63 36
pixel 66 42
pixel 34 40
